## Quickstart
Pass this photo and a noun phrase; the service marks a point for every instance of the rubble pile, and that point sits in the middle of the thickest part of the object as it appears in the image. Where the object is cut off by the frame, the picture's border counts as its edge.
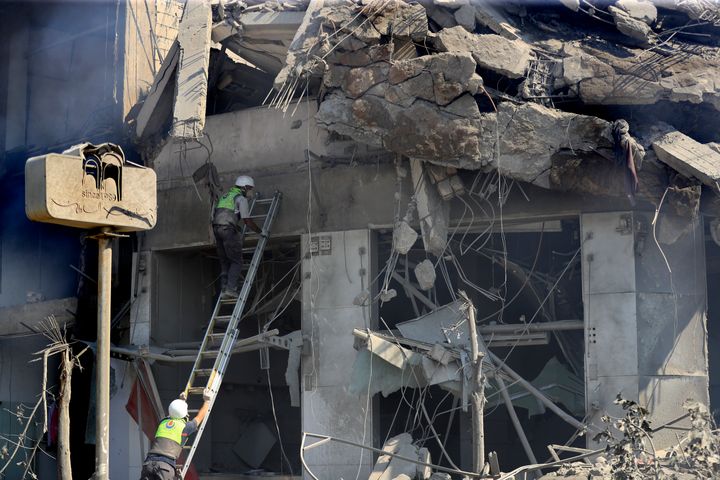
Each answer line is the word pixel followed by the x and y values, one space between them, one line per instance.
pixel 630 454
pixel 499 86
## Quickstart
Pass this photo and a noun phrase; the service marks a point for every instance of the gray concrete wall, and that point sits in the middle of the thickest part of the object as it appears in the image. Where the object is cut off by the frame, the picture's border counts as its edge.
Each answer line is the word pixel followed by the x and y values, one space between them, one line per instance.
pixel 330 284
pixel 247 140
pixel 345 186
pixel 645 326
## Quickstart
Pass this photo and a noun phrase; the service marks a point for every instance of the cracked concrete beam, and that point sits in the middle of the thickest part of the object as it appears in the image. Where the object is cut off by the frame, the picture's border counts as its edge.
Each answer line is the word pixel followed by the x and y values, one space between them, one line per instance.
pixel 154 110
pixel 13 320
pixel 433 212
pixel 194 34
pixel 688 157
pixel 305 36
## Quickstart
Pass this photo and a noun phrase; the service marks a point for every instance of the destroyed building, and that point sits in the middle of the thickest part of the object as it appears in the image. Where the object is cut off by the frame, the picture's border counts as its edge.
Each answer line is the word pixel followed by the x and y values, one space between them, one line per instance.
pixel 555 165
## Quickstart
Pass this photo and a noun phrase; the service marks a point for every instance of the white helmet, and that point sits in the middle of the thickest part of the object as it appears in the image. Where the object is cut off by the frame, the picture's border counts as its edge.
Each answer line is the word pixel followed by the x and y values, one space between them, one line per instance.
pixel 178 408
pixel 244 181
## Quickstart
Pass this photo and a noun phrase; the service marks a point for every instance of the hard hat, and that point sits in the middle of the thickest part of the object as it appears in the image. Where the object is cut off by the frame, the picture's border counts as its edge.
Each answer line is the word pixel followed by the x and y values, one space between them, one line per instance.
pixel 178 408
pixel 245 181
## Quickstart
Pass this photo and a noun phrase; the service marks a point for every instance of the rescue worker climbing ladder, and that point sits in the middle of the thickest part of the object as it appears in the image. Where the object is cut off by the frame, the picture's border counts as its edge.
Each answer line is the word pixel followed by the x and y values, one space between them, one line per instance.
pixel 212 360
pixel 172 433
pixel 230 208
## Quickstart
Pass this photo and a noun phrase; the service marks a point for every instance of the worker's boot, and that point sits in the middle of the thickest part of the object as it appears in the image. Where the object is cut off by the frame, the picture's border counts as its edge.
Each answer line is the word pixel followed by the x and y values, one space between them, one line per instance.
pixel 230 293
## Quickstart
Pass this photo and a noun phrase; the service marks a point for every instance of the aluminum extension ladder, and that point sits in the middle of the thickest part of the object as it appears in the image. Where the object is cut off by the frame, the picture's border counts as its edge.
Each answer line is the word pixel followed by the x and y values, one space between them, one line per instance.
pixel 222 329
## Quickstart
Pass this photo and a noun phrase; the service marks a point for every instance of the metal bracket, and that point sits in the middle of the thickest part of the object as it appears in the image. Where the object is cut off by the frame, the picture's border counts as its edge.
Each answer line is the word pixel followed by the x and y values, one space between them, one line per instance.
pixel 100 235
pixel 286 342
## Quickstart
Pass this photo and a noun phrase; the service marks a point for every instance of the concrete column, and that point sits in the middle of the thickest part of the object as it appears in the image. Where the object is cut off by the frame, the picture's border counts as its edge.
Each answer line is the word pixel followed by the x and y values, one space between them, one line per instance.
pixel 645 326
pixel 337 270
pixel 141 288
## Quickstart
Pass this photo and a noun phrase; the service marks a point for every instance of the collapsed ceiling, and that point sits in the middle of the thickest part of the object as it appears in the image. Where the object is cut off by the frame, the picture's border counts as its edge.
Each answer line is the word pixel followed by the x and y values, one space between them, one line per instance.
pixel 568 95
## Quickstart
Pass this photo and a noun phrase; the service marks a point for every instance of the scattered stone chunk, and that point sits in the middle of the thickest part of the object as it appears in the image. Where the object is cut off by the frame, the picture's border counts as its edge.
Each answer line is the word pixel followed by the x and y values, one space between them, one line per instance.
pixel 434 213
pixel 404 237
pixel 642 10
pixel 465 17
pixel 440 476
pixel 493 52
pixel 453 4
pixel 423 471
pixel 398 467
pixel 690 158
pixel 631 27
pixel 442 17
pixel 573 5
pixel 495 19
pixel 425 274
pixel 580 67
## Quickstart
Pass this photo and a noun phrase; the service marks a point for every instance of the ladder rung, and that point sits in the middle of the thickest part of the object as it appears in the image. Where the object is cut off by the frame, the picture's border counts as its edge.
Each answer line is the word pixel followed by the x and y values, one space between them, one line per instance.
pixel 203 372
pixel 215 336
pixel 223 318
pixel 193 410
pixel 210 353
pixel 196 390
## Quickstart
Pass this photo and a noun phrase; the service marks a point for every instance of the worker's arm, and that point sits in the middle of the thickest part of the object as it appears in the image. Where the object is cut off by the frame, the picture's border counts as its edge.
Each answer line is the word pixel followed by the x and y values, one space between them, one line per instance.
pixel 242 210
pixel 207 397
pixel 202 412
pixel 252 225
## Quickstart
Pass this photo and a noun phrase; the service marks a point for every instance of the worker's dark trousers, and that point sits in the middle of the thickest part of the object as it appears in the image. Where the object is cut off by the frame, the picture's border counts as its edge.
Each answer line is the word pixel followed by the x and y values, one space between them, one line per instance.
pixel 229 244
pixel 154 470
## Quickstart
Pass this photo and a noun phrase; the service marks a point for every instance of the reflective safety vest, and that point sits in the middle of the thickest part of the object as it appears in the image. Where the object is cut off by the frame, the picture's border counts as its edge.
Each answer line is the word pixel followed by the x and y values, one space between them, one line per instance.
pixel 228 200
pixel 168 438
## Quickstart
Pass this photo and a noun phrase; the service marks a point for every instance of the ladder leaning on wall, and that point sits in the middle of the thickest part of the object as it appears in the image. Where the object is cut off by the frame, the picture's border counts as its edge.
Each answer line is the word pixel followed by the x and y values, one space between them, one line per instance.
pixel 222 330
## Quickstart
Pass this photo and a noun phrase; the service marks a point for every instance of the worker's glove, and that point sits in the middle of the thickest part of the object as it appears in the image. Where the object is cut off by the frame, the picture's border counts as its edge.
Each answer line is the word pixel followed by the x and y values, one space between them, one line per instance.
pixel 264 234
pixel 208 394
pixel 182 396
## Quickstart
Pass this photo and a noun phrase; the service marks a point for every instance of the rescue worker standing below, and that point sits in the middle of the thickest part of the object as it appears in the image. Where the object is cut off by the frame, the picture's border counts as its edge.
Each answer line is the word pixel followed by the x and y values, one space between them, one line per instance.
pixel 230 208
pixel 171 435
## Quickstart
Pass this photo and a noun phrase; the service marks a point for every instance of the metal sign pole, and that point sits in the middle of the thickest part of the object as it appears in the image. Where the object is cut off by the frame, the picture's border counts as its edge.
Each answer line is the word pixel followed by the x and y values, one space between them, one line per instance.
pixel 102 358
pixel 92 186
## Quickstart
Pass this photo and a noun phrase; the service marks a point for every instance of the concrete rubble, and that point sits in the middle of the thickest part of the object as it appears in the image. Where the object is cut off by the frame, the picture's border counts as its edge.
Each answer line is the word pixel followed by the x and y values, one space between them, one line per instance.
pixel 454 90
pixel 420 80
pixel 392 468
pixel 432 105
pixel 690 158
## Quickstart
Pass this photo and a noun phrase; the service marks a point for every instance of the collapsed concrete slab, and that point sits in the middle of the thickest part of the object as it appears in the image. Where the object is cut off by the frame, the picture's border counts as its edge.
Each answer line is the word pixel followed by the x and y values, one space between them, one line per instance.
pixel 620 76
pixel 519 140
pixel 690 158
pixel 509 58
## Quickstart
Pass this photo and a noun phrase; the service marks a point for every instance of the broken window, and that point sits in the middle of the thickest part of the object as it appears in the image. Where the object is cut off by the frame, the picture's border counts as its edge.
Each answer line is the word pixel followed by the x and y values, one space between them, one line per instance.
pixel 522 277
